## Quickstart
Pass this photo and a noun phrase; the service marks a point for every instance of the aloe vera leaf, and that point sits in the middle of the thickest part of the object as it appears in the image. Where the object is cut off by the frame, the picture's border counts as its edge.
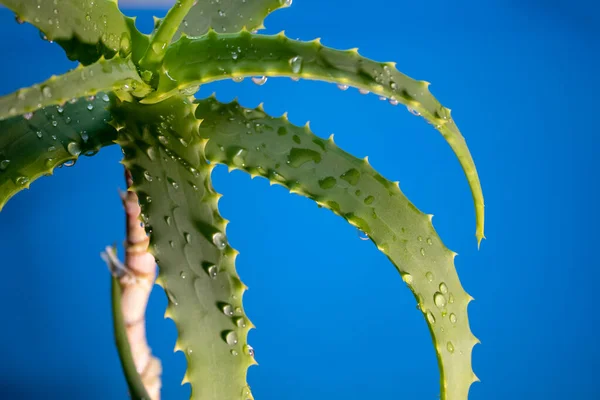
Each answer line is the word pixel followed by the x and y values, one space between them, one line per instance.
pixel 164 153
pixel 32 147
pixel 86 30
pixel 118 74
pixel 137 390
pixel 164 33
pixel 252 141
pixel 230 16
pixel 196 61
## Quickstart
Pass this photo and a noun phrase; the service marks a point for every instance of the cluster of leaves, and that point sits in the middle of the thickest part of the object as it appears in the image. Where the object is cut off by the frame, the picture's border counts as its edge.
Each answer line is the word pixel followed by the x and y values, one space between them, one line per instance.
pixel 136 90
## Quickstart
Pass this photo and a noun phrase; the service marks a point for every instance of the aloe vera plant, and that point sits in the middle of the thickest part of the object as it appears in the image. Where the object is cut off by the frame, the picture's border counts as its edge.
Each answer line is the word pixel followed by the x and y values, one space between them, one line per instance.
pixel 136 91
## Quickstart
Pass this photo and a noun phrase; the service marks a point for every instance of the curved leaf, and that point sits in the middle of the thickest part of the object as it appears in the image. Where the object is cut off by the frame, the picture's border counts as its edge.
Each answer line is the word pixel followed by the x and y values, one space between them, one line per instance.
pixel 118 74
pixel 86 30
pixel 167 27
pixel 52 136
pixel 196 61
pixel 187 236
pixel 250 140
pixel 228 16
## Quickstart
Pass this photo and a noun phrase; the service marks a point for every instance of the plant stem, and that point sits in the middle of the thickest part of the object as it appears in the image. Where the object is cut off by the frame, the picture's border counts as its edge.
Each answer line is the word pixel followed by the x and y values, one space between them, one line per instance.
pixel 135 281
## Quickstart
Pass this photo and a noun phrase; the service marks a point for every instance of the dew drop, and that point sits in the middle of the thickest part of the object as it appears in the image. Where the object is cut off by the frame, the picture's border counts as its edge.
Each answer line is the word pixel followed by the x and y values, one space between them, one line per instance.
pixel 231 338
pixel 39 134
pixel 158 46
pixel 363 91
pixel 188 237
pixel 393 101
pixel 450 347
pixel 413 111
pixel 173 183
pixel 212 271
pixel 285 3
pixel 240 322
pixel 439 299
pixel 452 317
pixel 227 310
pixel 239 157
pixel 171 297
pixel 148 176
pixel 300 156
pixel 4 165
pixel 451 298
pixel 408 278
pixel 151 153
pixel 429 276
pixel 249 350
pixel 189 90
pixel 327 183
pixel 182 275
pixel 220 241
pixel 259 80
pixel 342 87
pixel 443 288
pixel 362 235
pixel 90 107
pixel 429 241
pixel 422 251
pixel 296 64
pixel 28 116
pixel 74 149
pixel 238 79
pixel 22 180
pixel 105 98
pixel 234 353
pixel 430 317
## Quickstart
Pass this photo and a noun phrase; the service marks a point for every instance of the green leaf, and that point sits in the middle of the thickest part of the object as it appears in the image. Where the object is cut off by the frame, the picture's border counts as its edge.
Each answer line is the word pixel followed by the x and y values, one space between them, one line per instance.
pixel 229 16
pixel 164 153
pixel 52 136
pixel 164 33
pixel 196 61
pixel 86 30
pixel 116 74
pixel 250 140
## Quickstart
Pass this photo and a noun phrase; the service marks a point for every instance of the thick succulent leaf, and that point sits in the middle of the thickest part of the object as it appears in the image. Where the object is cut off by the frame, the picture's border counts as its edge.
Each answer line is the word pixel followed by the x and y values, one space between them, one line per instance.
pixel 137 391
pixel 292 156
pixel 52 136
pixel 164 153
pixel 167 27
pixel 228 15
pixel 86 30
pixel 196 61
pixel 118 74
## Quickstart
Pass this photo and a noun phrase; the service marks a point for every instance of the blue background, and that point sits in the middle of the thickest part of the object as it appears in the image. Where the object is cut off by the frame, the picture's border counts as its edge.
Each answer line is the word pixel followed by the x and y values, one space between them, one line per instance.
pixel 334 319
